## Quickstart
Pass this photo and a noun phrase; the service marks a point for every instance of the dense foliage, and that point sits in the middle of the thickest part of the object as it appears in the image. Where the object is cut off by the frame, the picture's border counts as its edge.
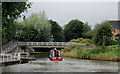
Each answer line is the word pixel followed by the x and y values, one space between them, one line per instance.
pixel 10 12
pixel 91 52
pixel 74 29
pixel 103 32
pixel 56 31
pixel 34 29
pixel 87 31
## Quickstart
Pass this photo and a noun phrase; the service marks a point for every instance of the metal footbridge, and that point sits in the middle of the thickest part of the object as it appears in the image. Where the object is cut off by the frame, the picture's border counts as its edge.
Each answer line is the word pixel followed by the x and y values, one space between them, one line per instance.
pixel 12 45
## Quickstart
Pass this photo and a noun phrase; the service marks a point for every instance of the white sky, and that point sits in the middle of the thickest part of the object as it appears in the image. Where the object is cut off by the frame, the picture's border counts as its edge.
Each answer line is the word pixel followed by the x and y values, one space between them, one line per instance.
pixel 92 12
pixel 74 0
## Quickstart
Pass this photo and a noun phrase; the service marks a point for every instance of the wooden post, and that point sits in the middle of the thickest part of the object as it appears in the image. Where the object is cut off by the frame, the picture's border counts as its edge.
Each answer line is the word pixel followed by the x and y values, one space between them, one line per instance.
pixel 20 49
pixel 17 49
pixel 14 56
pixel 103 42
pixel 7 57
pixel 19 56
pixel 11 57
pixel 119 48
pixel 3 56
pixel 57 43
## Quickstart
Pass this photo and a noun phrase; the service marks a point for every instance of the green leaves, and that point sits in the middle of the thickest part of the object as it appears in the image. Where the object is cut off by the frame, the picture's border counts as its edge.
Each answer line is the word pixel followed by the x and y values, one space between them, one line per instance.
pixel 56 31
pixel 81 40
pixel 35 29
pixel 103 32
pixel 87 31
pixel 10 12
pixel 73 30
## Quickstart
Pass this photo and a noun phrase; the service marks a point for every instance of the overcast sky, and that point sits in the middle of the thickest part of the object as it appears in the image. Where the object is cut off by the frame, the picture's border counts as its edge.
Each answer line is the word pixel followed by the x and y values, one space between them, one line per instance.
pixel 63 12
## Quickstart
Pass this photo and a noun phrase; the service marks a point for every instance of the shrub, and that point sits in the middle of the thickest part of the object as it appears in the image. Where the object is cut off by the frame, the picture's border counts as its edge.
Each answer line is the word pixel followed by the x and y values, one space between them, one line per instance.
pixel 81 40
pixel 91 51
pixel 111 41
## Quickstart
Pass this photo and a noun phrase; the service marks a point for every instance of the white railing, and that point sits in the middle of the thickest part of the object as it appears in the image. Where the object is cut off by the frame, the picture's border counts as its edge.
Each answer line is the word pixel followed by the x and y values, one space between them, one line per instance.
pixel 8 47
pixel 9 57
pixel 49 43
pixel 13 56
pixel 31 48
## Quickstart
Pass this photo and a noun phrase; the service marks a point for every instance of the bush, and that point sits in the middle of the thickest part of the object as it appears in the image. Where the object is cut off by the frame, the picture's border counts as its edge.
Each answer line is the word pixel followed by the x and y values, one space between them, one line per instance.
pixel 81 40
pixel 111 42
pixel 98 49
pixel 103 32
pixel 90 51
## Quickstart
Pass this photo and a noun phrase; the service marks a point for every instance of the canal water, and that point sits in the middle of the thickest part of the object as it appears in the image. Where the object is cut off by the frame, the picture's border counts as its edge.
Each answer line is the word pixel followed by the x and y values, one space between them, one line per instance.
pixel 43 64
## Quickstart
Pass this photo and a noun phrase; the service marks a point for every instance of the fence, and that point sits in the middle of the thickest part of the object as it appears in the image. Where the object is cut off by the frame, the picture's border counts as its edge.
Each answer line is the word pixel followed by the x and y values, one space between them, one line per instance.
pixel 13 56
pixel 10 57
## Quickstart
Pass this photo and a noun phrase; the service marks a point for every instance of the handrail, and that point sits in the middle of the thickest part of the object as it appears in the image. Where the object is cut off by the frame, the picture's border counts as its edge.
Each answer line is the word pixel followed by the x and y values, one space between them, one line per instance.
pixel 14 56
pixel 50 43
pixel 11 44
pixel 8 46
pixel 31 48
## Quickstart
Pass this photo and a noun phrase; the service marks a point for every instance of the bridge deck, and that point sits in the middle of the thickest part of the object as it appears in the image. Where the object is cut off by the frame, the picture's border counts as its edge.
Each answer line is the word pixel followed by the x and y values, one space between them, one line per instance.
pixel 11 45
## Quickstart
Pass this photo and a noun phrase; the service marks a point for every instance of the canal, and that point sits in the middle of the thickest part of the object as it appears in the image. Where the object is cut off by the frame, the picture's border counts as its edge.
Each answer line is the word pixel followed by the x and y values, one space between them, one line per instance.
pixel 43 64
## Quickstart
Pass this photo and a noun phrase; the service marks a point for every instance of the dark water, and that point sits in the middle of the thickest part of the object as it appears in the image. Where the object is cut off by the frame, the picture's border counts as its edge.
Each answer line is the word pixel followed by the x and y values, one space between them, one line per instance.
pixel 43 64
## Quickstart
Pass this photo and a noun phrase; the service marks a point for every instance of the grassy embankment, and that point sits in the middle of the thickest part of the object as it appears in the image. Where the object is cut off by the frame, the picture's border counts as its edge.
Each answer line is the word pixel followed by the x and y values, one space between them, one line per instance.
pixel 91 52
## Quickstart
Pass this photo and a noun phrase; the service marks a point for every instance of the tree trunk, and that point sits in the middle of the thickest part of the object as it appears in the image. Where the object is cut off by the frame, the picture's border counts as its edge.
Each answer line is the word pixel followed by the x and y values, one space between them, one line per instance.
pixel 103 43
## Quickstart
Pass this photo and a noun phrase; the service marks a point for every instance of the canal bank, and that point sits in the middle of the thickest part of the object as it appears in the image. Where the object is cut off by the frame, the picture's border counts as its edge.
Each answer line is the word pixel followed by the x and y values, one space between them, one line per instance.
pixel 96 58
pixel 92 52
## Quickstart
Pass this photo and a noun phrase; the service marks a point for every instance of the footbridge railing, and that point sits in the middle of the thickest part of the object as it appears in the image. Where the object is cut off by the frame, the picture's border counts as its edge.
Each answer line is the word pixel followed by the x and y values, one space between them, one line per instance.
pixel 48 43
pixel 8 47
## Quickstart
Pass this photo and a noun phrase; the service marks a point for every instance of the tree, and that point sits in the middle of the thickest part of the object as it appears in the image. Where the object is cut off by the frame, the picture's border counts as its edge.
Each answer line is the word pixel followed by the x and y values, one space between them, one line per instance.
pixel 87 31
pixel 104 31
pixel 10 12
pixel 73 30
pixel 35 29
pixel 56 31
pixel 87 27
pixel 25 33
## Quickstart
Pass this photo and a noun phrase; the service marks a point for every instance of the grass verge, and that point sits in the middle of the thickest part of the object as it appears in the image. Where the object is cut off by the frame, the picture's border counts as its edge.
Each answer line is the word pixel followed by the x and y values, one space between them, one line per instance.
pixel 92 52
